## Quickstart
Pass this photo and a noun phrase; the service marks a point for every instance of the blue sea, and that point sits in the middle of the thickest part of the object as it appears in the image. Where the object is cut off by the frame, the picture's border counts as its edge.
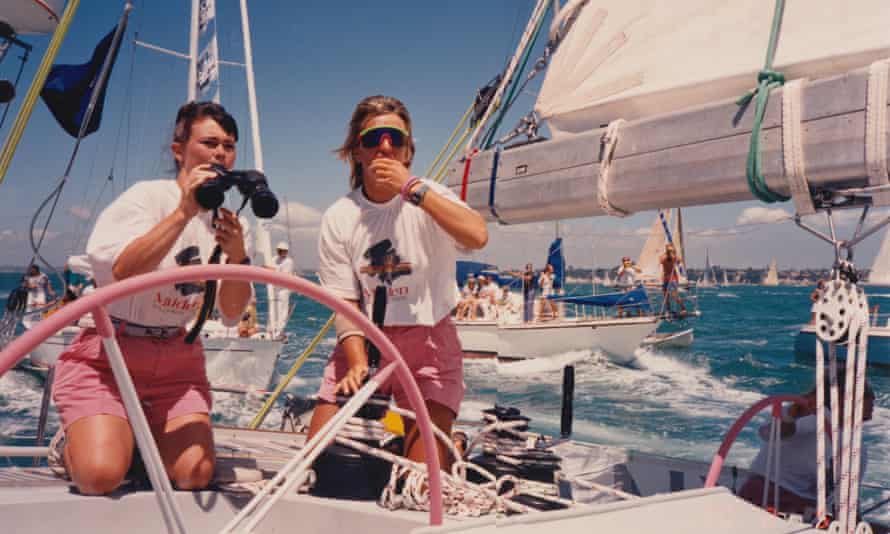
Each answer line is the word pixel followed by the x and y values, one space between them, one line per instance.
pixel 676 403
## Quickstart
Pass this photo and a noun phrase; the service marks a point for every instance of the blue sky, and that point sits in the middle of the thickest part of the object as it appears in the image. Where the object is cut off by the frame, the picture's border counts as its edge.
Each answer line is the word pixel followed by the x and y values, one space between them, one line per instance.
pixel 313 62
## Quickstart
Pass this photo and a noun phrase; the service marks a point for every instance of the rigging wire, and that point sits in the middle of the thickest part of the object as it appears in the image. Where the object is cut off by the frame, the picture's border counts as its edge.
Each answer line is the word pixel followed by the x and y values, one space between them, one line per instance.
pixel 18 77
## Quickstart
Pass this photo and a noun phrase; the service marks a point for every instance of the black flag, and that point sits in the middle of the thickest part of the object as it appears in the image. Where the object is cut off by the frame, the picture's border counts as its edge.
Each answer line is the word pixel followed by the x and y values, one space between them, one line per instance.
pixel 68 89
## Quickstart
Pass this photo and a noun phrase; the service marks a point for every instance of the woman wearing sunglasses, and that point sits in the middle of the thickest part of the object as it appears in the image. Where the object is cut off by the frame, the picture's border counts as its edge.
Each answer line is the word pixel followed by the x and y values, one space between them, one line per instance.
pixel 395 237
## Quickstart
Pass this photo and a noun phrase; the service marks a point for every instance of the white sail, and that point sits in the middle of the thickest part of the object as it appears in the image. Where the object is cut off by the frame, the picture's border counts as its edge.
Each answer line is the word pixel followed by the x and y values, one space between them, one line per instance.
pixel 652 250
pixel 622 59
pixel 725 278
pixel 880 268
pixel 772 276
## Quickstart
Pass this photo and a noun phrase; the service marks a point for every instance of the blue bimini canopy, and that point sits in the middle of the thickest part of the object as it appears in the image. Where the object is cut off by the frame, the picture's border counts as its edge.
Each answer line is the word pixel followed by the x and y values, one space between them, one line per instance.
pixel 635 298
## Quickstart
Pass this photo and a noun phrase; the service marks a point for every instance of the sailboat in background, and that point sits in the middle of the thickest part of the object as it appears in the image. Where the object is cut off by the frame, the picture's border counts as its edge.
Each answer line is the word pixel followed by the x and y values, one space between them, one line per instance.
pixel 772 275
pixel 707 279
pixel 725 278
pixel 666 228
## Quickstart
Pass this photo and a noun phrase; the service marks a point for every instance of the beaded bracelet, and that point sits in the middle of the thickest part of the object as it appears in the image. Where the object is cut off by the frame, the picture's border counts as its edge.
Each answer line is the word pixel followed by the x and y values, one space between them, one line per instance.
pixel 407 186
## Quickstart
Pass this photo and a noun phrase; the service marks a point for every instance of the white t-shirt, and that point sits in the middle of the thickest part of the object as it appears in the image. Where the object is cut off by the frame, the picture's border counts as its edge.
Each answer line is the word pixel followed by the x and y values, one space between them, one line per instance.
pixel 627 276
pixel 132 215
pixel 285 265
pixel 545 282
pixel 37 285
pixel 797 470
pixel 363 245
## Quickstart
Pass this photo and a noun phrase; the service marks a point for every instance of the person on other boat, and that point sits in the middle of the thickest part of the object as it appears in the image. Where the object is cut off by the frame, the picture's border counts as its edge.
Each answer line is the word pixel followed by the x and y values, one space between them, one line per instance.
pixel 626 279
pixel 545 281
pixel 507 306
pixel 401 235
pixel 797 473
pixel 814 297
pixel 38 286
pixel 466 307
pixel 488 296
pixel 154 225
pixel 529 290
pixel 283 264
pixel 247 327
pixel 670 279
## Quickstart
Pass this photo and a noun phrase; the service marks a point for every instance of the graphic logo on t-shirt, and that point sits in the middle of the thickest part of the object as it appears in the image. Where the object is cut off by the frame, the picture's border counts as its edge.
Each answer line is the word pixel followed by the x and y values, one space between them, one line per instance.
pixel 385 262
pixel 190 255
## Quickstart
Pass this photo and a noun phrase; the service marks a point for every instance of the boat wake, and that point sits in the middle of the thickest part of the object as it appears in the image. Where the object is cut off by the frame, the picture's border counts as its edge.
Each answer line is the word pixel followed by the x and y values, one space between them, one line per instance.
pixel 724 295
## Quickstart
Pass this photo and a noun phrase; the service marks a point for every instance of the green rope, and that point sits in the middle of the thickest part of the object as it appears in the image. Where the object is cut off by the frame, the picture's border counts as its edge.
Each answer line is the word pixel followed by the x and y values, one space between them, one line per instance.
pixel 767 80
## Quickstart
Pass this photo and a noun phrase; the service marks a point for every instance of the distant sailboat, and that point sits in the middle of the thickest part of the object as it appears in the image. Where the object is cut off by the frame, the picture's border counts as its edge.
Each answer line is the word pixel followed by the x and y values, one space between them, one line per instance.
pixel 880 269
pixel 772 276
pixel 725 278
pixel 707 280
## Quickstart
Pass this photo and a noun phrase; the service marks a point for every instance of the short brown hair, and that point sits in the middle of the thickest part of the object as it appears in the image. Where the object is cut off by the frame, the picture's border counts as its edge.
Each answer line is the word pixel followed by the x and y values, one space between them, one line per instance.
pixel 371 106
pixel 191 112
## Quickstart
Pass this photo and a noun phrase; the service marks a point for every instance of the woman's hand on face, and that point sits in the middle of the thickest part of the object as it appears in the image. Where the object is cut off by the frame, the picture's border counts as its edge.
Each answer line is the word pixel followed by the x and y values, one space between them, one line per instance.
pixel 197 176
pixel 352 382
pixel 389 174
pixel 230 236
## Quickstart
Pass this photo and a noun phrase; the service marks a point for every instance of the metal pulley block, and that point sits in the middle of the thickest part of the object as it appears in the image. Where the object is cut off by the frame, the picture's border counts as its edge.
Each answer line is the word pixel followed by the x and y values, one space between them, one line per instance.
pixel 837 305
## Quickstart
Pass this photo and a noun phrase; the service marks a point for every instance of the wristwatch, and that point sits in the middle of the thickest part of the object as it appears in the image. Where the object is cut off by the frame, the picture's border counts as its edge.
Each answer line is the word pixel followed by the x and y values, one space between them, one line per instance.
pixel 416 196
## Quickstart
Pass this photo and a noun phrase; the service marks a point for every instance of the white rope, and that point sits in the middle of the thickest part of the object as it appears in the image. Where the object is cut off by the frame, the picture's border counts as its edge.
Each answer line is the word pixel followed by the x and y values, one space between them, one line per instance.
pixel 876 130
pixel 609 142
pixel 792 147
pixel 821 486
pixel 856 452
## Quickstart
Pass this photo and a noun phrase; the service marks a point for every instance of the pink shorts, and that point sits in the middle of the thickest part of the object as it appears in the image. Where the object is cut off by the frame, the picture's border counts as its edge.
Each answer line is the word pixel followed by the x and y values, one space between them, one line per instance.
pixel 432 352
pixel 169 376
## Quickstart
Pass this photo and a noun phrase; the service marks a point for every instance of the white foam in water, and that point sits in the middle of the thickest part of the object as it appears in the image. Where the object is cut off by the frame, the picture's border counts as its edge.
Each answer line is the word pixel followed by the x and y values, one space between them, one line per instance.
pixel 20 394
pixel 536 366
pixel 723 295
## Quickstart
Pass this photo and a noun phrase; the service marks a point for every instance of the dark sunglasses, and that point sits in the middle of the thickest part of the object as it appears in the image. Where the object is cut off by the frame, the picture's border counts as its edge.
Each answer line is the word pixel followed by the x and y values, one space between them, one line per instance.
pixel 372 137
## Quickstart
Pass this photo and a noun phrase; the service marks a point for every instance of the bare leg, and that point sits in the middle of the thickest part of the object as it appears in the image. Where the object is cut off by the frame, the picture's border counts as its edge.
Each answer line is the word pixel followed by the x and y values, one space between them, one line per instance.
pixel 321 415
pixel 98 453
pixel 444 419
pixel 186 446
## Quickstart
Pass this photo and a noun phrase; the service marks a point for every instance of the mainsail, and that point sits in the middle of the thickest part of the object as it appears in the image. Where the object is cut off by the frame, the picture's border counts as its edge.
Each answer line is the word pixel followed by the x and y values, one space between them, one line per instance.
pixel 607 67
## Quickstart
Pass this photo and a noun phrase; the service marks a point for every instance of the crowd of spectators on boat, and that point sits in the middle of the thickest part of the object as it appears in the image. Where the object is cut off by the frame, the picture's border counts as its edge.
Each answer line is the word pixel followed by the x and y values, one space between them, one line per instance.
pixel 483 299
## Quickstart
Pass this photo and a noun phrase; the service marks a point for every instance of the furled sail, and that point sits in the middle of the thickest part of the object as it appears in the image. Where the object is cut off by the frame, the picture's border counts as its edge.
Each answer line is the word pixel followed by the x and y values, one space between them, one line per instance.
pixel 638 58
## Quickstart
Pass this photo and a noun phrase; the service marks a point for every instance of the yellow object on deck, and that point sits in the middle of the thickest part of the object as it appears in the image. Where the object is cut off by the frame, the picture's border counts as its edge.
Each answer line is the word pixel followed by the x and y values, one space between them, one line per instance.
pixel 392 422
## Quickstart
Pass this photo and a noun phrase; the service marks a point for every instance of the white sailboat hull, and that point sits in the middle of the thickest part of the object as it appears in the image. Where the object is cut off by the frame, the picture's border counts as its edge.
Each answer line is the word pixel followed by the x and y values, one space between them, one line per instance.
pixel 617 338
pixel 233 363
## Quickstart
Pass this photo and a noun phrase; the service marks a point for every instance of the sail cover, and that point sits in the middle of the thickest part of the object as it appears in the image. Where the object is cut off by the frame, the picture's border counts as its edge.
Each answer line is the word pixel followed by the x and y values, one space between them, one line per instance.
pixel 635 298
pixel 638 58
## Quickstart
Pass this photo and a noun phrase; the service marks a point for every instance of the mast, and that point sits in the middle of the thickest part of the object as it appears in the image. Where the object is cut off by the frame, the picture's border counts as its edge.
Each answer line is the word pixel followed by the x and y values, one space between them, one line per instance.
pixel 251 90
pixel 193 52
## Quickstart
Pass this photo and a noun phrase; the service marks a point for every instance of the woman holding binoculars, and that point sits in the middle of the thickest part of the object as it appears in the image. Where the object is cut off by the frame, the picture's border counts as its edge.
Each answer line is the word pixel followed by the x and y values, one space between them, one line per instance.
pixel 154 225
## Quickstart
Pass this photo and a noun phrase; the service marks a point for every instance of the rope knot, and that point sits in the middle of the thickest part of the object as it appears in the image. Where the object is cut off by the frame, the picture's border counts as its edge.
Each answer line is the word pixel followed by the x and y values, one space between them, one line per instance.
pixel 771 77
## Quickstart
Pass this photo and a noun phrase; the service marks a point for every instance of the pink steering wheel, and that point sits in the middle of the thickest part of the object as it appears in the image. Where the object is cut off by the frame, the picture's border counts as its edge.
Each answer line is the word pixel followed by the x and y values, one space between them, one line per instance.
pixel 717 463
pixel 95 303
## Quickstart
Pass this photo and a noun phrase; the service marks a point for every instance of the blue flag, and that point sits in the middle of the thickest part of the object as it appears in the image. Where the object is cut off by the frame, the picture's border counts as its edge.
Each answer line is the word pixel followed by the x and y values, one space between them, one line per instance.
pixel 68 89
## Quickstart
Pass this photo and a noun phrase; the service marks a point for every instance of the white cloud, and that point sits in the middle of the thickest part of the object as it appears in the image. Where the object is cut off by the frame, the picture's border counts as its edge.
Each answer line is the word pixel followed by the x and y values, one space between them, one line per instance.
pixel 50 235
pixel 296 215
pixel 7 235
pixel 761 215
pixel 80 212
